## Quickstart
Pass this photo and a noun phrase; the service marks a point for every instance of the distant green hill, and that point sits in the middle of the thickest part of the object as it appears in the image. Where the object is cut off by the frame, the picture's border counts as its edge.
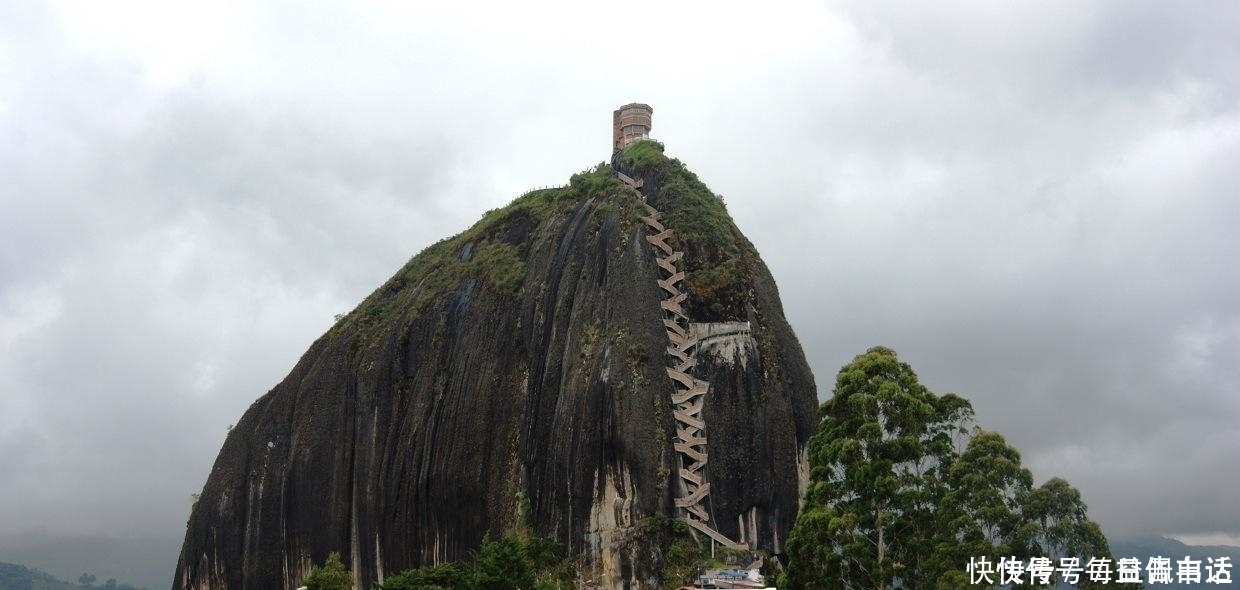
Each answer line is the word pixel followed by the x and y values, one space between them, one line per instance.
pixel 1146 547
pixel 143 561
pixel 20 577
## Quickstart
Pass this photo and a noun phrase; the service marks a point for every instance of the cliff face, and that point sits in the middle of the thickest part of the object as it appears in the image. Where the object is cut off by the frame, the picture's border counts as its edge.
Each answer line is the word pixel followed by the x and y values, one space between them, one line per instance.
pixel 517 372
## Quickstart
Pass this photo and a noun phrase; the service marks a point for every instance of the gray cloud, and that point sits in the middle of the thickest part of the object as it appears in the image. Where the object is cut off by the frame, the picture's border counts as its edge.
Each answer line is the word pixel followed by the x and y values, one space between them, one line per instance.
pixel 1049 240
pixel 1035 206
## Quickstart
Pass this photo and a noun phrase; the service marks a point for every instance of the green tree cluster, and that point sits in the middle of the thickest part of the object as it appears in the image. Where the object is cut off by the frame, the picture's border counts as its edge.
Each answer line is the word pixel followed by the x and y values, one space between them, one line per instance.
pixel 905 489
pixel 510 563
pixel 332 576
pixel 684 558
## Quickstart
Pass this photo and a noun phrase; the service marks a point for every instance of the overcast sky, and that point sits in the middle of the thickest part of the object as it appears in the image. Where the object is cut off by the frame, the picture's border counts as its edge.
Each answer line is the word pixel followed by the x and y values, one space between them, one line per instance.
pixel 1036 204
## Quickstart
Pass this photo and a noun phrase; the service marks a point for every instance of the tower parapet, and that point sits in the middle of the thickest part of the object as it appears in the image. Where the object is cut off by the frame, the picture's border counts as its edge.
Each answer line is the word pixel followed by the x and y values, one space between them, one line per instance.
pixel 630 123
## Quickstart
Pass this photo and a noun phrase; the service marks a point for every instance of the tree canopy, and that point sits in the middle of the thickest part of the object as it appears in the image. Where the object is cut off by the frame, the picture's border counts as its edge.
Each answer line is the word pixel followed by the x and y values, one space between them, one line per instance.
pixel 905 490
pixel 332 576
pixel 510 563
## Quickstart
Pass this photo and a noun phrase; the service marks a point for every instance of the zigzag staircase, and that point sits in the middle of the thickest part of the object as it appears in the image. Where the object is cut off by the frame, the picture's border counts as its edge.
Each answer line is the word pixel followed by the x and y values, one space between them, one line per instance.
pixel 690 392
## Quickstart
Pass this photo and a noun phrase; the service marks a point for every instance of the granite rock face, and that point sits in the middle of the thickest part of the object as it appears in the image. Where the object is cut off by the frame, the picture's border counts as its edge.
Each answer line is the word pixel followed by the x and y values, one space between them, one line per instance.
pixel 516 373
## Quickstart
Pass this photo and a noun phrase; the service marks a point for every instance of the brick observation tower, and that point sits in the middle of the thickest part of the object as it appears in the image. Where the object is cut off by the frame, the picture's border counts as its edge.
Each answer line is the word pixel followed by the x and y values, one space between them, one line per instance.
pixel 630 123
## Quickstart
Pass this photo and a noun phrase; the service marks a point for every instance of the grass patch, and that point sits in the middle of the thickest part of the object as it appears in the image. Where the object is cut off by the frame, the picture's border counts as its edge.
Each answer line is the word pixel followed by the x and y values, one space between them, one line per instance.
pixel 501 265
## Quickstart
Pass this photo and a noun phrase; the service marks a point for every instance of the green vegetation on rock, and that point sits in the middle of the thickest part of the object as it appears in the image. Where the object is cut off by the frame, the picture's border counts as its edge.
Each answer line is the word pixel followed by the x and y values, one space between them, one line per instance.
pixel 905 490
pixel 684 557
pixel 510 563
pixel 331 576
pixel 488 251
pixel 492 249
pixel 716 255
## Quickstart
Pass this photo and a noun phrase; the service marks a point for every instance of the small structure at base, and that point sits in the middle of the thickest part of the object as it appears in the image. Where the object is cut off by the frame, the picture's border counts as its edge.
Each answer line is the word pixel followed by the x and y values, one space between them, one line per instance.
pixel 731 578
